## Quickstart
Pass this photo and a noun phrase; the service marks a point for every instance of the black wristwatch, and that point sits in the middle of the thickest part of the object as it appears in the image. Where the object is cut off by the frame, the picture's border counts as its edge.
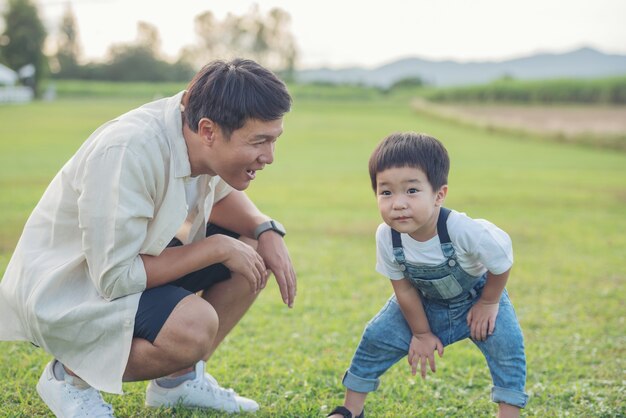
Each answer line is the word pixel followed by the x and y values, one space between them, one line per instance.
pixel 270 225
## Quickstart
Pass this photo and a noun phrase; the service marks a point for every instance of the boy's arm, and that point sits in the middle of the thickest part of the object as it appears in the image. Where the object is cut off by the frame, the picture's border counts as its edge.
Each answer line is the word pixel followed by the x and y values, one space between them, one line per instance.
pixel 481 318
pixel 423 342
pixel 411 306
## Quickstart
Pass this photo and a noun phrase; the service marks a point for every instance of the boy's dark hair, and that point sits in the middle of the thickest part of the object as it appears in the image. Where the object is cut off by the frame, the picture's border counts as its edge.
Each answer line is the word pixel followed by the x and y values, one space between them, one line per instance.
pixel 230 93
pixel 410 149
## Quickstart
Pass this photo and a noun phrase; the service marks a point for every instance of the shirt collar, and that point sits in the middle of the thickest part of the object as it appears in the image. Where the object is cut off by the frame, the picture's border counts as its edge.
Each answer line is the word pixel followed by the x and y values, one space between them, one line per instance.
pixel 174 132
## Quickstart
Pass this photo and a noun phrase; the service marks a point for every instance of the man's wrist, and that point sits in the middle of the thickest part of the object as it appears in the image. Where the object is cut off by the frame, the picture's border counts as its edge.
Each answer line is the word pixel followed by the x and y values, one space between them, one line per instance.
pixel 270 225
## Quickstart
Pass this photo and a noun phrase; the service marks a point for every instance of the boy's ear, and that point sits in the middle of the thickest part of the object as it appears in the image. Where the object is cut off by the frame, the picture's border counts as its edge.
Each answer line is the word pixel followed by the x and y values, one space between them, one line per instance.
pixel 441 195
pixel 207 130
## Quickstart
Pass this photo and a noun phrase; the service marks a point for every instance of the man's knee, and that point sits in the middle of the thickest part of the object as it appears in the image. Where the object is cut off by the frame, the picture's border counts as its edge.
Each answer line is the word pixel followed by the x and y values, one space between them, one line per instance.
pixel 200 327
pixel 191 329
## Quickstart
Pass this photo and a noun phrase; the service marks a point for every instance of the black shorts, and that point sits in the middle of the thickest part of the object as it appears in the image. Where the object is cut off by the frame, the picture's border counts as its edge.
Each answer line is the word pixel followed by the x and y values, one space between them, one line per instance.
pixel 156 304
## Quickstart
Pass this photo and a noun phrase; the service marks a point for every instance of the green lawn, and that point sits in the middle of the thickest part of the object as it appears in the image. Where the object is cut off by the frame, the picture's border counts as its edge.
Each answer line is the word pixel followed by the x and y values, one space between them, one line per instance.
pixel 563 206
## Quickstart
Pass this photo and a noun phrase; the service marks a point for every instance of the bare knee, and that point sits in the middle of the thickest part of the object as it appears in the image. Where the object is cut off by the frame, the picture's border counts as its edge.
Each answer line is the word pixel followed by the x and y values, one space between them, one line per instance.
pixel 190 330
pixel 199 327
pixel 202 327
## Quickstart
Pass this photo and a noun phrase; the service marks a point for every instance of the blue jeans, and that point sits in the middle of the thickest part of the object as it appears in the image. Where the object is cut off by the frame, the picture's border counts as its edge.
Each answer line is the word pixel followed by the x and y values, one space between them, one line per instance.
pixel 387 337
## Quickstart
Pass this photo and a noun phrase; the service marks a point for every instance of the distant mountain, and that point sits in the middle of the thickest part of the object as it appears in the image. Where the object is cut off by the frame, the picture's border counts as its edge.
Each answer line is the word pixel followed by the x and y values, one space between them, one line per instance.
pixel 580 63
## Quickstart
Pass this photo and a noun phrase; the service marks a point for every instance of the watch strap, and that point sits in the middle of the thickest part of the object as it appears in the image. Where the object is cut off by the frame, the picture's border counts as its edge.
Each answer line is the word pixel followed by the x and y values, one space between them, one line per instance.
pixel 270 225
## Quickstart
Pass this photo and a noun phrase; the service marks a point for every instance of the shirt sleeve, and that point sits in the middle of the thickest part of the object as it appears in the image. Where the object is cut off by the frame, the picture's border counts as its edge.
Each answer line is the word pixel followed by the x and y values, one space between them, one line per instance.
pixel 114 208
pixel 487 243
pixel 385 261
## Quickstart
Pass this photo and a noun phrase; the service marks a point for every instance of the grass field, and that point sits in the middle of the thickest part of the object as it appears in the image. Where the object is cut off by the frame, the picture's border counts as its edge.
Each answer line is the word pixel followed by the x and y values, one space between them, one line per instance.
pixel 563 206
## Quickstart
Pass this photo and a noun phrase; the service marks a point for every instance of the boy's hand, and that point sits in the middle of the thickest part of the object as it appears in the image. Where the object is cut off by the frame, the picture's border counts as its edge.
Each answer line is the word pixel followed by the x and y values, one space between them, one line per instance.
pixel 481 319
pixel 422 350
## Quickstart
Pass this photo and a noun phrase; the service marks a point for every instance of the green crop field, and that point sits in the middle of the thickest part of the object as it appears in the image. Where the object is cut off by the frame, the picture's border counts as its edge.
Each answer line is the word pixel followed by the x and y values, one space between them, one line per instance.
pixel 564 207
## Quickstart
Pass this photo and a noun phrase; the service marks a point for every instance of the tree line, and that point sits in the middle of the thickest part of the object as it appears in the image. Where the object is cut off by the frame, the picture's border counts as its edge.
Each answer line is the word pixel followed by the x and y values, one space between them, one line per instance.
pixel 266 38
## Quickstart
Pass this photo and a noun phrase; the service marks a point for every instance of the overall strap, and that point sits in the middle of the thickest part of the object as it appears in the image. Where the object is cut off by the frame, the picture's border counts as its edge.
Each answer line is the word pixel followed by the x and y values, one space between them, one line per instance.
pixel 398 251
pixel 442 227
pixel 396 241
pixel 442 231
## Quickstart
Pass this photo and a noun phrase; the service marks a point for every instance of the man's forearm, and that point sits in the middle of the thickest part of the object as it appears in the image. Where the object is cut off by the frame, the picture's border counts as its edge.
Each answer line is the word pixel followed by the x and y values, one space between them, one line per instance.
pixel 237 213
pixel 175 262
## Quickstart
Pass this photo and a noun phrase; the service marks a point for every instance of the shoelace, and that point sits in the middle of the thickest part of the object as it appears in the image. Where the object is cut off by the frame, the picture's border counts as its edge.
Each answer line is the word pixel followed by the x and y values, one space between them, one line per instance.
pixel 211 384
pixel 91 401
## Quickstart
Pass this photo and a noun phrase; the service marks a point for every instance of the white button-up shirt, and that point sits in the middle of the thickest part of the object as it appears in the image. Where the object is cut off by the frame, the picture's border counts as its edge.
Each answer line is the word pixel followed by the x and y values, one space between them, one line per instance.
pixel 74 281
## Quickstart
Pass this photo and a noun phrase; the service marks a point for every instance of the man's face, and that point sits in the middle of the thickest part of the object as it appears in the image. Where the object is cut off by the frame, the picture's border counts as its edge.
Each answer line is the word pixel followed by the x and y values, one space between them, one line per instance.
pixel 247 151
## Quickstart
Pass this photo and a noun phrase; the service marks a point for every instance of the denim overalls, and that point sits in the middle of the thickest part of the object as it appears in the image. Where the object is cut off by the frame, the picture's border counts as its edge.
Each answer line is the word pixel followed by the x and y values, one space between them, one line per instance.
pixel 447 293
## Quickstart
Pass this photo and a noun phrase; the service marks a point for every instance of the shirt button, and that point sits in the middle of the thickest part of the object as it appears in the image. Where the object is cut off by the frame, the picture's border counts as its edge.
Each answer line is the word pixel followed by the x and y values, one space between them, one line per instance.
pixel 452 263
pixel 402 267
pixel 127 322
pixel 160 242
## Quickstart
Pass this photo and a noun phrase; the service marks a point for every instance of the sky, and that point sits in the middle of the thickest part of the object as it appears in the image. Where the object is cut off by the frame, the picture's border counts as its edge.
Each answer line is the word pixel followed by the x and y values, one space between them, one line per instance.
pixel 342 33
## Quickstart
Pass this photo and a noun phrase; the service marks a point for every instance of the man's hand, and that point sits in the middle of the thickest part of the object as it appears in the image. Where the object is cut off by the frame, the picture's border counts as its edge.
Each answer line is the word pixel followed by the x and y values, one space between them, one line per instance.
pixel 481 319
pixel 422 350
pixel 274 252
pixel 243 259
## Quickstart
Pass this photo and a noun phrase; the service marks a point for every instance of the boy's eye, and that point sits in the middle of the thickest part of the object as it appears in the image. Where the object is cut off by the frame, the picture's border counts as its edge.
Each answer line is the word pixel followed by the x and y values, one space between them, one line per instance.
pixel 385 193
pixel 412 190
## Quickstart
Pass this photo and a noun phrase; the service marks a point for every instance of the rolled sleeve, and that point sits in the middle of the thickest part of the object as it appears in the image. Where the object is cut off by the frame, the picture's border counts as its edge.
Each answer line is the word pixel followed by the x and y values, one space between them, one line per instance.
pixel 114 208
pixel 495 249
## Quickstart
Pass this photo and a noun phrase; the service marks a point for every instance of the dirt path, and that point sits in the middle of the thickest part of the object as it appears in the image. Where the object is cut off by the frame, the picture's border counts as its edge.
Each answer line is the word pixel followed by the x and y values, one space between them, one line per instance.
pixel 560 120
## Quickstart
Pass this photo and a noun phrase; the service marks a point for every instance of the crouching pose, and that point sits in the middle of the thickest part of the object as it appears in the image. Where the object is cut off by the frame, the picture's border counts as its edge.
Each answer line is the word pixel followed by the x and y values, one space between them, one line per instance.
pixel 448 273
pixel 144 252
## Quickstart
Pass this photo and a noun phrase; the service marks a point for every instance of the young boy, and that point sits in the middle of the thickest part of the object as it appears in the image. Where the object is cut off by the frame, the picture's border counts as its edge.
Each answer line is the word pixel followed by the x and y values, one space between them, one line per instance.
pixel 448 273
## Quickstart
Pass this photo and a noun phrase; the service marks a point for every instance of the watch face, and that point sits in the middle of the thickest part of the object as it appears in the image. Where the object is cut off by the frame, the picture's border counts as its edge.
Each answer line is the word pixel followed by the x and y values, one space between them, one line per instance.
pixel 278 227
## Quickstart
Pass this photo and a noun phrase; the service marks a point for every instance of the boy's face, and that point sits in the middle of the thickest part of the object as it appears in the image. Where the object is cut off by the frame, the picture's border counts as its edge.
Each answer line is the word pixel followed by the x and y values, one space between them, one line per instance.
pixel 407 201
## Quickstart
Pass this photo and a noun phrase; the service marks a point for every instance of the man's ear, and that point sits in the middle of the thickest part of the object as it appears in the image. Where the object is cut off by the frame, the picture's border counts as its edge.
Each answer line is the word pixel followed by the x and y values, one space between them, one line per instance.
pixel 207 129
pixel 441 195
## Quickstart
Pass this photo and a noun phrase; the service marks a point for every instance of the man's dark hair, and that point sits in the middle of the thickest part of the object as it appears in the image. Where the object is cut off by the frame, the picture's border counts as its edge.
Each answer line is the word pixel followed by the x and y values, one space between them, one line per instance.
pixel 230 93
pixel 410 149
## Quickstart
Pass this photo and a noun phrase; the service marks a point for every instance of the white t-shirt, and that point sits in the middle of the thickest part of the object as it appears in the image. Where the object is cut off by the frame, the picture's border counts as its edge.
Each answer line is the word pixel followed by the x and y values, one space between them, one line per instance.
pixel 479 246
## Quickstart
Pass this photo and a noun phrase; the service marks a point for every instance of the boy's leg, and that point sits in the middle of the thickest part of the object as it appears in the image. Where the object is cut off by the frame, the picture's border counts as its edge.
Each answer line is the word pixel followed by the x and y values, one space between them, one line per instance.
pixel 504 352
pixel 353 401
pixel 385 340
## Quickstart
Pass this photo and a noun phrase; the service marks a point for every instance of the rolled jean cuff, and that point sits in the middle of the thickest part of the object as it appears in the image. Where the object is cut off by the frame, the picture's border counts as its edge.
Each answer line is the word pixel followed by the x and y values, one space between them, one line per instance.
pixel 359 384
pixel 509 396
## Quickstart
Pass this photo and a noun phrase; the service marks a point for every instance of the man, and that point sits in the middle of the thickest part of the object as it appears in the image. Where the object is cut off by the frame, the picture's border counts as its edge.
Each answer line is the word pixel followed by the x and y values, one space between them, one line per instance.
pixel 117 274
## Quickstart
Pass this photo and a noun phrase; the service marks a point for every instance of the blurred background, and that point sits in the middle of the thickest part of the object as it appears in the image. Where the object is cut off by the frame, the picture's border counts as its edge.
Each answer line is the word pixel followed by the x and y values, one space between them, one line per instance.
pixel 453 52
pixel 528 97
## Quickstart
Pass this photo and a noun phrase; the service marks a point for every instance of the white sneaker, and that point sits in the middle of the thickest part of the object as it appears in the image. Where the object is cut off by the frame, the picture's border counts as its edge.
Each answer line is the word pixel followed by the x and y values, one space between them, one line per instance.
pixel 67 400
pixel 201 392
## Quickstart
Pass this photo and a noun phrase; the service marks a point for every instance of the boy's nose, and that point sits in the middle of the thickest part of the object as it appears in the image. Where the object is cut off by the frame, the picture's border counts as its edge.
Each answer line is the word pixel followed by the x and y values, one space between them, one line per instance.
pixel 399 204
